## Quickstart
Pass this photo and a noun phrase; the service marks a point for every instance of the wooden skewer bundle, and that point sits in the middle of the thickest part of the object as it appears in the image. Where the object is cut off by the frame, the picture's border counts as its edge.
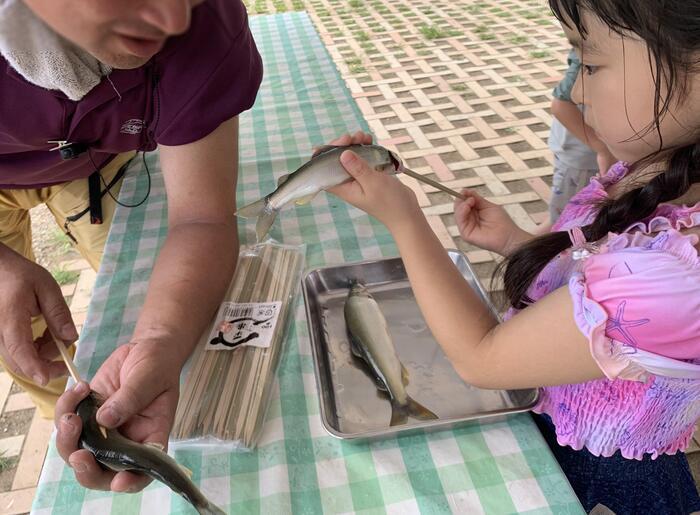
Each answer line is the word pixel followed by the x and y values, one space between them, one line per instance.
pixel 226 393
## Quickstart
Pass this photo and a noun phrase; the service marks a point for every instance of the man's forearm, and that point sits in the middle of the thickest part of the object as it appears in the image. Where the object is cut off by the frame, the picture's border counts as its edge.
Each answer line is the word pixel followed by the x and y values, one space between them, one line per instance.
pixel 190 277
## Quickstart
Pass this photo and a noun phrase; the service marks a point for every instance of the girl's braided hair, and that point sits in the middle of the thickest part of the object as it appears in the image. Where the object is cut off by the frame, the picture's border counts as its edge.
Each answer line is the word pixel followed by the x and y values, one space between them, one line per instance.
pixel 671 29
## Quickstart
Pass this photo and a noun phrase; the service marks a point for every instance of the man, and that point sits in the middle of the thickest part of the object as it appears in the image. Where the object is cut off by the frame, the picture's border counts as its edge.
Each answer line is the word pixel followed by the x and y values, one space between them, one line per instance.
pixel 97 80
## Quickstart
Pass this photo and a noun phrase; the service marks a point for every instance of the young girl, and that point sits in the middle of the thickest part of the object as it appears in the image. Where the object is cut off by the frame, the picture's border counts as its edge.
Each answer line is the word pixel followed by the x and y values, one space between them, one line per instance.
pixel 605 310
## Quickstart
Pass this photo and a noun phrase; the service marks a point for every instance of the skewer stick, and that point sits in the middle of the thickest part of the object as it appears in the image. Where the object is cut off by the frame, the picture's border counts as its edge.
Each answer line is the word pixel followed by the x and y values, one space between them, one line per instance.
pixel 432 183
pixel 66 358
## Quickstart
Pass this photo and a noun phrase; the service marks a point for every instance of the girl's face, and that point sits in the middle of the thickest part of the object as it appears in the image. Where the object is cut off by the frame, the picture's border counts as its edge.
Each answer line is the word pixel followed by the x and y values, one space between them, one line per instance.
pixel 121 33
pixel 617 83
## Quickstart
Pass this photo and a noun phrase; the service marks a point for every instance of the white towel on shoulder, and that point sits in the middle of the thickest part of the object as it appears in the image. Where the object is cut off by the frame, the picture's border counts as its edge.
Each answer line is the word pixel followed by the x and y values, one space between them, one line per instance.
pixel 42 56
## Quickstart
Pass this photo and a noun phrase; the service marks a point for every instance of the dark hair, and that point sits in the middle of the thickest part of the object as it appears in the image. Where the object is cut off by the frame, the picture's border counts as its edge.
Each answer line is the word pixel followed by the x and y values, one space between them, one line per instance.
pixel 671 30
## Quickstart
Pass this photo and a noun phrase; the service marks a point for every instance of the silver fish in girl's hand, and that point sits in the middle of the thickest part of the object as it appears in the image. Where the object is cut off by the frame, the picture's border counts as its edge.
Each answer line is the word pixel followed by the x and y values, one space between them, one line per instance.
pixel 116 452
pixel 371 342
pixel 323 171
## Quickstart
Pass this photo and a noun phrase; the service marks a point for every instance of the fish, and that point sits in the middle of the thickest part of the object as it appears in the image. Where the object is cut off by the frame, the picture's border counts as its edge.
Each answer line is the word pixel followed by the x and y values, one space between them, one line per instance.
pixel 321 172
pixel 371 342
pixel 116 452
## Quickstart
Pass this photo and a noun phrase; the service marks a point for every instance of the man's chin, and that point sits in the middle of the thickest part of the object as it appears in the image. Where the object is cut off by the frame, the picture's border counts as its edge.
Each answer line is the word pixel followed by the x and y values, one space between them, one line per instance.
pixel 122 61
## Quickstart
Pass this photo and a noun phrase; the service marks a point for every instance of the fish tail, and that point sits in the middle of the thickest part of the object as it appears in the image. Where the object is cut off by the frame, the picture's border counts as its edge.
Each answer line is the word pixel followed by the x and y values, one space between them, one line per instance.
pixel 417 410
pixel 266 216
pixel 265 221
pixel 399 414
pixel 254 209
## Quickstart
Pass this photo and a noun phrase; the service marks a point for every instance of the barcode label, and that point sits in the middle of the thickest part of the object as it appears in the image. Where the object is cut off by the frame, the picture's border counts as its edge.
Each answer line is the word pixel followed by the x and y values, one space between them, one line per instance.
pixel 240 325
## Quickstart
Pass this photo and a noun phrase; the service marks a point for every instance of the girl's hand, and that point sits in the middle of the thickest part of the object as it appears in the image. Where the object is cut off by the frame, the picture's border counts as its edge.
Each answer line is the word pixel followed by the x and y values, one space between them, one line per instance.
pixel 487 225
pixel 379 195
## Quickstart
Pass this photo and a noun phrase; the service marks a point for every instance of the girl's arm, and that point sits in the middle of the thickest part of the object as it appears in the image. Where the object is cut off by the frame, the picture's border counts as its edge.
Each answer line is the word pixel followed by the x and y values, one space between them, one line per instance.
pixel 538 347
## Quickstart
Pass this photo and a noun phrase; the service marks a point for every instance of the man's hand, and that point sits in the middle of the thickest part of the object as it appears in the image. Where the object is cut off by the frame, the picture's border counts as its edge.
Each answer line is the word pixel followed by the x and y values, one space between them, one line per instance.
pixel 28 290
pixel 140 382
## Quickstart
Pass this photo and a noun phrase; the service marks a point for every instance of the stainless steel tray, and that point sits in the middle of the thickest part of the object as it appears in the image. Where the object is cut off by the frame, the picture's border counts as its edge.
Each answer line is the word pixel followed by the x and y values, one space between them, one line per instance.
pixel 351 407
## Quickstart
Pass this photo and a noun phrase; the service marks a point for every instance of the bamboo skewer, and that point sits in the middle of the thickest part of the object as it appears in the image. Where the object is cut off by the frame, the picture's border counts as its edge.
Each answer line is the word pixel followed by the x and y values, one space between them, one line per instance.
pixel 226 392
pixel 432 183
pixel 66 358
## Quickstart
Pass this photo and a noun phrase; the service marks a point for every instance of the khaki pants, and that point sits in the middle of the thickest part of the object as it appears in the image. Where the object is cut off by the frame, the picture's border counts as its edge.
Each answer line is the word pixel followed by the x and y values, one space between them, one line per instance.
pixel 63 200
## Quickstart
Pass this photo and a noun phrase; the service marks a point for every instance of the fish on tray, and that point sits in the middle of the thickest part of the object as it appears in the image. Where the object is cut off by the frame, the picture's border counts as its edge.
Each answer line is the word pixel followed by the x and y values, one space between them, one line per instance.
pixel 371 342
pixel 116 452
pixel 321 172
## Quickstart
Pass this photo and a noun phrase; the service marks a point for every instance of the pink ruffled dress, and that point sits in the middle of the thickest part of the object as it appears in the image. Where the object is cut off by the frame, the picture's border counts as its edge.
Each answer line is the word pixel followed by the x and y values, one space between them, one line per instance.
pixel 638 302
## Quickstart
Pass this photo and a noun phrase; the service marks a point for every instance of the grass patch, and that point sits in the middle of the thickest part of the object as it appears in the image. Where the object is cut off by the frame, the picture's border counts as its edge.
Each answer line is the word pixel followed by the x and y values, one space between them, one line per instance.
pixel 261 7
pixel 484 33
pixel 459 87
pixel 355 65
pixel 355 3
pixel 434 32
pixel 539 54
pixel 362 36
pixel 5 462
pixel 60 241
pixel 279 6
pixel 64 277
pixel 518 40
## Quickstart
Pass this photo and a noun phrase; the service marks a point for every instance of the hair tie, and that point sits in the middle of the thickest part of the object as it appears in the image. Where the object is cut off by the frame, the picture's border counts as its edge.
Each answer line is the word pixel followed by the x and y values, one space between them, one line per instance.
pixel 580 249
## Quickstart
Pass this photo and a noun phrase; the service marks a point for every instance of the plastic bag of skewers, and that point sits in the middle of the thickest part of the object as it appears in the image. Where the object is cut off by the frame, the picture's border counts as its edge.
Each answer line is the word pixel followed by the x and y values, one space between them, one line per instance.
pixel 229 382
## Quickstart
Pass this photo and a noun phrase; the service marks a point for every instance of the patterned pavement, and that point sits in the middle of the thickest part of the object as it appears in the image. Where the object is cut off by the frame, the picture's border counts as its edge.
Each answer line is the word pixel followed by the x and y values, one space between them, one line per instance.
pixel 460 89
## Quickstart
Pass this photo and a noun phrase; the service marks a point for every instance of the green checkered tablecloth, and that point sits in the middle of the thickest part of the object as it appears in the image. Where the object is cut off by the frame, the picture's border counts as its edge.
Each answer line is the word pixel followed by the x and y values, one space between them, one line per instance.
pixel 501 467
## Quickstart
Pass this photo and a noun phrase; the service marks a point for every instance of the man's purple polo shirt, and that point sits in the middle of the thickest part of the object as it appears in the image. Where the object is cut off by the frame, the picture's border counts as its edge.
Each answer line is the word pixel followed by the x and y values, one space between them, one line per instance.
pixel 199 80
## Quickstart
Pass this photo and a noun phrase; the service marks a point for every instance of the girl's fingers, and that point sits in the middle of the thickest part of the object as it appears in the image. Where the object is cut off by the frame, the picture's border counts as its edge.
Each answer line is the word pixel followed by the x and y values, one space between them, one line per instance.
pixel 356 166
pixel 345 139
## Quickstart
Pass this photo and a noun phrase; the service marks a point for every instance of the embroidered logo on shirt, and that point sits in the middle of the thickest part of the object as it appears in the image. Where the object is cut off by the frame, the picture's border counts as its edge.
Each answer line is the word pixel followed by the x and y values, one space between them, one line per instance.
pixel 133 126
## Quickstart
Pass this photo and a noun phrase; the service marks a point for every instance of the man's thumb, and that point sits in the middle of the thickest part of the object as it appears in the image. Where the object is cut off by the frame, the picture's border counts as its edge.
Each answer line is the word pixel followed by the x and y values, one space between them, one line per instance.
pixel 122 405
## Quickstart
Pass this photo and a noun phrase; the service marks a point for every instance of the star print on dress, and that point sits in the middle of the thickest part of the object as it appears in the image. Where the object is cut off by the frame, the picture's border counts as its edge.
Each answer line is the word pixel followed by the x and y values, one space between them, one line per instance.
pixel 621 326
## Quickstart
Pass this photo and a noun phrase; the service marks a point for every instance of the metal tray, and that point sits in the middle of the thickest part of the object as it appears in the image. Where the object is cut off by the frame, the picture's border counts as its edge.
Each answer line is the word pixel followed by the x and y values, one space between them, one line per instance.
pixel 351 407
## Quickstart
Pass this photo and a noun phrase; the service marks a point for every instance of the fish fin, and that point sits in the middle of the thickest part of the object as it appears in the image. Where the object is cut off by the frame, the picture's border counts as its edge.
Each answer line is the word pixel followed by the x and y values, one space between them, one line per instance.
pixel 322 149
pixel 305 200
pixel 252 210
pixel 356 349
pixel 404 375
pixel 103 430
pixel 380 385
pixel 417 410
pixel 399 414
pixel 156 445
pixel 265 221
pixel 282 179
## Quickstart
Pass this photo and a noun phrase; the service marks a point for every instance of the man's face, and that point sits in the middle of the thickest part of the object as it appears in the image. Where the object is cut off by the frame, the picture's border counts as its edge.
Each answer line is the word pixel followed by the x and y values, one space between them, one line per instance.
pixel 120 33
